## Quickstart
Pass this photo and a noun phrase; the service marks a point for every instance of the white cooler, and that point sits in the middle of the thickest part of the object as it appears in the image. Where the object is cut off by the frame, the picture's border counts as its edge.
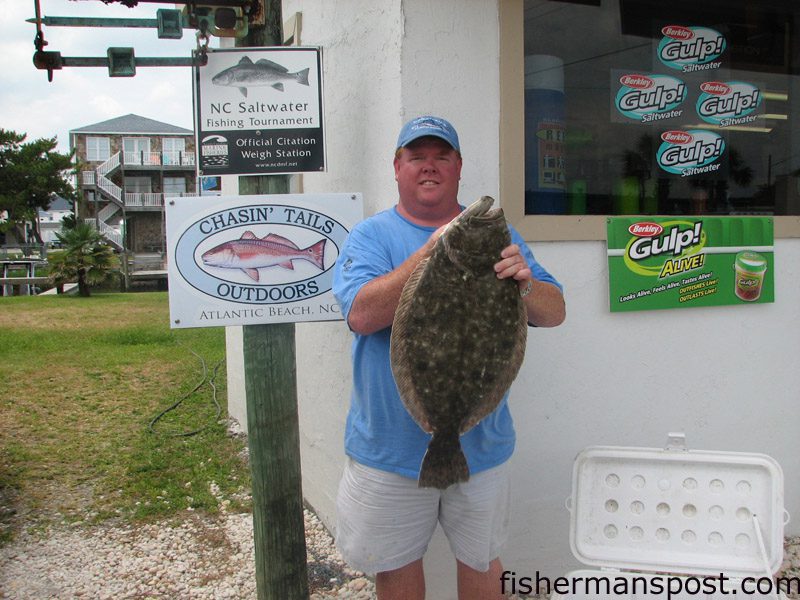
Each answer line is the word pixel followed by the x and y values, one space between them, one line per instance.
pixel 641 517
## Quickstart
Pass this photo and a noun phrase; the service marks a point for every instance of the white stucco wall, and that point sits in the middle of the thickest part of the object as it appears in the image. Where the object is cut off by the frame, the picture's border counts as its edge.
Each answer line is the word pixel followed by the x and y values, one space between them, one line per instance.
pixel 728 377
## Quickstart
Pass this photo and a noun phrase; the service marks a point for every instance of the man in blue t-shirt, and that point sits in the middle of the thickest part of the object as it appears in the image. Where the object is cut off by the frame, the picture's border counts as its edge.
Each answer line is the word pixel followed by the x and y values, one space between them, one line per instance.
pixel 385 520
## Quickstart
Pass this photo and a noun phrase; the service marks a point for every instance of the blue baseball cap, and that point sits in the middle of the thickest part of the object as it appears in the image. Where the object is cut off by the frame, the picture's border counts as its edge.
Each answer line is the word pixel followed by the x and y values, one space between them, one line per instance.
pixel 428 125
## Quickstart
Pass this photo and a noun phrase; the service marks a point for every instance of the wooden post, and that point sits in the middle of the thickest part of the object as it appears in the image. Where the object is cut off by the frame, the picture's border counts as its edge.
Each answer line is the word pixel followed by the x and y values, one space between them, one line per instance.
pixel 272 420
pixel 274 439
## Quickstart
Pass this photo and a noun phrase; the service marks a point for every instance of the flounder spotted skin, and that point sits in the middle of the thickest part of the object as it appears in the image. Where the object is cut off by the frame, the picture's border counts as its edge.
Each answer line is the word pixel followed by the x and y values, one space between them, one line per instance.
pixel 458 338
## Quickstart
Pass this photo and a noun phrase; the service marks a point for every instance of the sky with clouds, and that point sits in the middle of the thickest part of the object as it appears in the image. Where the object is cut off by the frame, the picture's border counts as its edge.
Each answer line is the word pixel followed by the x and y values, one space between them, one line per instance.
pixel 80 96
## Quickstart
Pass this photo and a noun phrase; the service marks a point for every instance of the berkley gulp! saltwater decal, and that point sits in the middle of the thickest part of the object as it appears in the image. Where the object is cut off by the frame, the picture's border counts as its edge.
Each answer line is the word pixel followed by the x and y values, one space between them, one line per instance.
pixel 647 98
pixel 690 152
pixel 690 49
pixel 728 103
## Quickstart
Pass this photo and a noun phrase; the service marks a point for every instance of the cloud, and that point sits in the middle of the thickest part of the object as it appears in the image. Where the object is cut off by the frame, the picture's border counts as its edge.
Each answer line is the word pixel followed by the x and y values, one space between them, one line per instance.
pixel 105 107
pixel 82 96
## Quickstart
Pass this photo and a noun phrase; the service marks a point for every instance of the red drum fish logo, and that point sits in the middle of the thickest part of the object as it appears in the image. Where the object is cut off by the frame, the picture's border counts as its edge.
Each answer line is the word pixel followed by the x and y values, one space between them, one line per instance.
pixel 250 253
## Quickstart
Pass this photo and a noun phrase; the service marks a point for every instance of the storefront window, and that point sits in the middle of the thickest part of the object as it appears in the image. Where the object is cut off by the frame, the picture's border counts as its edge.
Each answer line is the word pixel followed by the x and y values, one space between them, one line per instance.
pixel 650 107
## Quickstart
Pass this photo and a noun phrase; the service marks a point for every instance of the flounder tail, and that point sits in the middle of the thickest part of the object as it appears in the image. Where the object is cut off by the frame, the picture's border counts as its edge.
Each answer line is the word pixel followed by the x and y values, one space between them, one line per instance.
pixel 444 463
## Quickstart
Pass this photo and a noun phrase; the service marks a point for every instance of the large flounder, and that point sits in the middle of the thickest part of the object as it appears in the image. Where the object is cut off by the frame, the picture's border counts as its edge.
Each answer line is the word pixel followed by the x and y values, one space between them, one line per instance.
pixel 458 338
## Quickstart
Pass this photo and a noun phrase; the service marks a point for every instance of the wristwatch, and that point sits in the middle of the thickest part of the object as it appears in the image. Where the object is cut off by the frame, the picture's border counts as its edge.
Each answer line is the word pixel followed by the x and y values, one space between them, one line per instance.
pixel 527 289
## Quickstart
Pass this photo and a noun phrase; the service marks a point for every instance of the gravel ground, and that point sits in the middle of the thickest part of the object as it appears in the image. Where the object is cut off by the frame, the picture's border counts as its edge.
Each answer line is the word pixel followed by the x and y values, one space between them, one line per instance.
pixel 197 558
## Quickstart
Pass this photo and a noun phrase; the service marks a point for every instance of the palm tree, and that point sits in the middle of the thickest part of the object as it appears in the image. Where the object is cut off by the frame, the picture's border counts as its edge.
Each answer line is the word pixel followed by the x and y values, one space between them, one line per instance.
pixel 85 257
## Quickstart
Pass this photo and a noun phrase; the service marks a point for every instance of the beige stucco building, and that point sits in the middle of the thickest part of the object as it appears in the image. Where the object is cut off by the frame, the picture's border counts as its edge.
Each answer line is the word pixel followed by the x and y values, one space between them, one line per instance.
pixel 726 376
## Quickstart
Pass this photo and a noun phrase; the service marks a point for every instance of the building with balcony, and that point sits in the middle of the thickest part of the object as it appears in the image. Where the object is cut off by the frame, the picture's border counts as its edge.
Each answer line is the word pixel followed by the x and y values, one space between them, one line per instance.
pixel 127 167
pixel 50 220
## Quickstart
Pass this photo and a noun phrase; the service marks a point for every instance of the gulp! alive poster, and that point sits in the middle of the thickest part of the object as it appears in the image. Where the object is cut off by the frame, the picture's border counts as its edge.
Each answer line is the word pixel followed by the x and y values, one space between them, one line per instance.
pixel 682 262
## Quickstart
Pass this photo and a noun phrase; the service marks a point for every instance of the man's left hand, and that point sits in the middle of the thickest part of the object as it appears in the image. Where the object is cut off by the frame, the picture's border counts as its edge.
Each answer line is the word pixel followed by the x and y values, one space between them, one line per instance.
pixel 512 264
pixel 544 303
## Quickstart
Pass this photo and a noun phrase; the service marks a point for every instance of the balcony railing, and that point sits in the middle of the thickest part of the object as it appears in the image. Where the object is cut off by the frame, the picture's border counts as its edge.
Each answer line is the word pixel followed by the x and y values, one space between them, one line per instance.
pixel 183 159
pixel 137 199
pixel 142 158
pixel 158 159
pixel 150 199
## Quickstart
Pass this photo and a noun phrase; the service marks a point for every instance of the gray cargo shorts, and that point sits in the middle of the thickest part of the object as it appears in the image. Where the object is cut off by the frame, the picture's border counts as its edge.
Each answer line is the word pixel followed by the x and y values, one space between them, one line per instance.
pixel 385 521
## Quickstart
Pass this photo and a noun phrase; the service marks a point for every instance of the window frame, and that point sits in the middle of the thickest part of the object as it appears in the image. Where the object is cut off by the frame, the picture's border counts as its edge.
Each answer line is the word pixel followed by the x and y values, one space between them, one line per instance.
pixel 173 157
pixel 173 179
pixel 137 141
pixel 133 183
pixel 97 139
pixel 512 149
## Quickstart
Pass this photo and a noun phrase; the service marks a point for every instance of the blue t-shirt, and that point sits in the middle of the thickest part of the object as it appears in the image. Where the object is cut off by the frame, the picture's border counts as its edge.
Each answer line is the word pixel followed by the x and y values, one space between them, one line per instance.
pixel 379 431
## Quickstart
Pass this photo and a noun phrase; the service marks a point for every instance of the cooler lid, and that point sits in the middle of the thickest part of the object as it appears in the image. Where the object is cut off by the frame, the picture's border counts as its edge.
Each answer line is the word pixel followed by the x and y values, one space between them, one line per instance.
pixel 677 510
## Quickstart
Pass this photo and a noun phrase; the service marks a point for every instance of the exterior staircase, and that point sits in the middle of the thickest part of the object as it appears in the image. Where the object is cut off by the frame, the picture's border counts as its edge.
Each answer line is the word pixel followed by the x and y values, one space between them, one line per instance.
pixel 108 187
pixel 108 211
pixel 111 193
pixel 108 232
pixel 113 196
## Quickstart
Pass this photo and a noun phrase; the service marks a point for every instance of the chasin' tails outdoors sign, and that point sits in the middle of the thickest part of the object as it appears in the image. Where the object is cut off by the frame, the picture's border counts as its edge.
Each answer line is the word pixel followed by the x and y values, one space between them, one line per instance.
pixel 689 261
pixel 246 260
pixel 259 110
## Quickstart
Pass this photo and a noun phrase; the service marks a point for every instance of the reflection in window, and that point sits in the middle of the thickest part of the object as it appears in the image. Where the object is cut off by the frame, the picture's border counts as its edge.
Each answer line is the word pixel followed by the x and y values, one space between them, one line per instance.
pixel 645 107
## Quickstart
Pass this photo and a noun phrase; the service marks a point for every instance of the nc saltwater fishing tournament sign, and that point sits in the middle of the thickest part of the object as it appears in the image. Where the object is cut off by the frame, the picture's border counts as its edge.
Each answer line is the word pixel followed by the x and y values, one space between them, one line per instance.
pixel 259 110
pixel 681 262
pixel 246 260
